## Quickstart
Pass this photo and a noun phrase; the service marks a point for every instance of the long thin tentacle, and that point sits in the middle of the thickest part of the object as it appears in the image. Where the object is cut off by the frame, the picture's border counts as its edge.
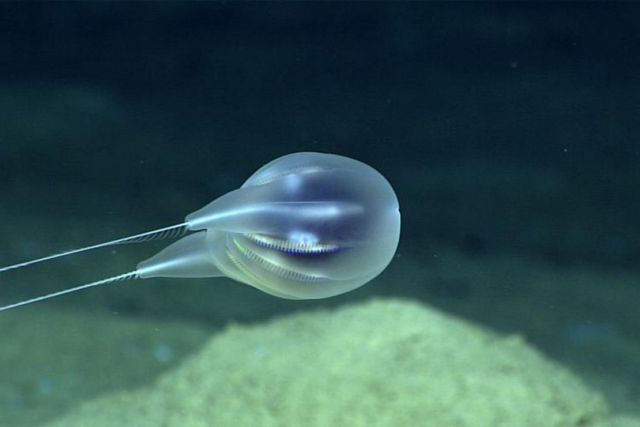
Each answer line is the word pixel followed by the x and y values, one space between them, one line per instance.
pixel 161 233
pixel 126 276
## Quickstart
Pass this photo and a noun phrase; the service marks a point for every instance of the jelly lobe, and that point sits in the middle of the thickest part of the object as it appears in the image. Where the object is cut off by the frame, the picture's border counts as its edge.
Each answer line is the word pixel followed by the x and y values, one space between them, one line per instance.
pixel 323 229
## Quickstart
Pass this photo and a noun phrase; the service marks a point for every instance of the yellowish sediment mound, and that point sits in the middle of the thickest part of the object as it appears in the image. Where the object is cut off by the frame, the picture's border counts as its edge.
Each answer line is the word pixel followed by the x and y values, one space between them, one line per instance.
pixel 381 363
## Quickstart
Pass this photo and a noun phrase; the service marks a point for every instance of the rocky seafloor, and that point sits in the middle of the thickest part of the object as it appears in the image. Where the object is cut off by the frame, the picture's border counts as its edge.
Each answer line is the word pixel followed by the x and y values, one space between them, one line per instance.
pixel 384 362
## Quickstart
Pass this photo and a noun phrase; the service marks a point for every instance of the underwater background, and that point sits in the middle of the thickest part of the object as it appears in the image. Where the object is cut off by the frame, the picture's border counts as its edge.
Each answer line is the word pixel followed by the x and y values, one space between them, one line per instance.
pixel 509 132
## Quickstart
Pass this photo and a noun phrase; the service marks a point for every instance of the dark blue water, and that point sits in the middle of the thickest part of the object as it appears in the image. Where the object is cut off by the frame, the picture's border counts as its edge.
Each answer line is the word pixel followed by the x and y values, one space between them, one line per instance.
pixel 509 132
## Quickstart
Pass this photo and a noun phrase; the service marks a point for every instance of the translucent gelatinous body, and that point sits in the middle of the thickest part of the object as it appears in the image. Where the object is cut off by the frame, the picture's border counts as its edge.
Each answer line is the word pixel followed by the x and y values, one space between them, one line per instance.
pixel 306 225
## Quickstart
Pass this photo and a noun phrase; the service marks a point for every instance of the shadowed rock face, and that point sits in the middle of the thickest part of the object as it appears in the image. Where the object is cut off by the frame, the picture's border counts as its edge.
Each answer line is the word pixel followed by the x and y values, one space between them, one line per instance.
pixel 382 363
pixel 51 360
